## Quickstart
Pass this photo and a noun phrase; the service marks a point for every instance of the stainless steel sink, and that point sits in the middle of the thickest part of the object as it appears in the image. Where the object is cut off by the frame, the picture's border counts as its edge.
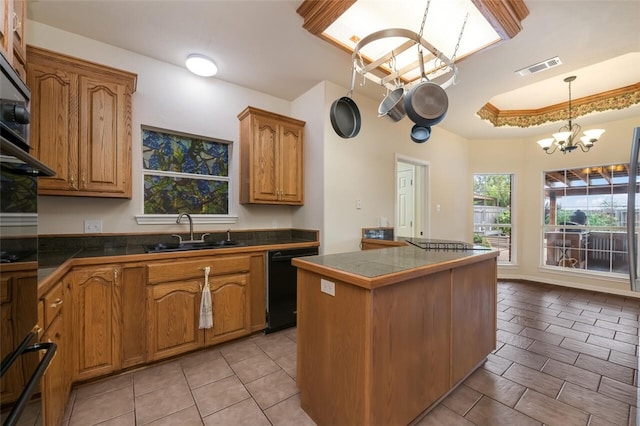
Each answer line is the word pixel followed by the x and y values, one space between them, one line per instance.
pixel 192 245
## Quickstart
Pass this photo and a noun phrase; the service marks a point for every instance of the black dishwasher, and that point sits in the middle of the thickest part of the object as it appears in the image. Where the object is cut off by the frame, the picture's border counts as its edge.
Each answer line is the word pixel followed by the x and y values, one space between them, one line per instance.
pixel 281 287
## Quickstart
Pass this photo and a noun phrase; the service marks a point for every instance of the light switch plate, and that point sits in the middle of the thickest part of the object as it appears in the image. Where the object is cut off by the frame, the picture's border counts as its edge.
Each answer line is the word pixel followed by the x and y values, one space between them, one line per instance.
pixel 328 287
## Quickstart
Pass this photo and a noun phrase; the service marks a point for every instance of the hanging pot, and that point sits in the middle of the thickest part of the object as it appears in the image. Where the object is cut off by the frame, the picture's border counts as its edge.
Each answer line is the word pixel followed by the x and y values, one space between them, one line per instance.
pixel 420 134
pixel 427 103
pixel 392 105
pixel 345 115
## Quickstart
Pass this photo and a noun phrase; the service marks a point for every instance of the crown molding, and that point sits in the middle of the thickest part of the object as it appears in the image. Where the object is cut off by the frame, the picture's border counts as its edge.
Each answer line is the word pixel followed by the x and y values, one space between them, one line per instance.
pixel 615 99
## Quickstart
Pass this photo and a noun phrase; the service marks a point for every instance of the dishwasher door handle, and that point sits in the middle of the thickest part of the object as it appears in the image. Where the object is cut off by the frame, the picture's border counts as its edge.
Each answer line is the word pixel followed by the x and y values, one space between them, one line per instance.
pixel 277 257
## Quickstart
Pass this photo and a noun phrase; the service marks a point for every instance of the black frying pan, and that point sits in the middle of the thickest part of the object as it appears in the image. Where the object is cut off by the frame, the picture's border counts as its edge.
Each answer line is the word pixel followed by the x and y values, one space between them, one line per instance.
pixel 345 117
pixel 344 114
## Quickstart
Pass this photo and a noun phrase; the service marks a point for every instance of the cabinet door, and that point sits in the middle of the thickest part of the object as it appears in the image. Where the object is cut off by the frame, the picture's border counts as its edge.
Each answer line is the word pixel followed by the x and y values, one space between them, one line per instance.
pixel 53 129
pixel 173 312
pixel 265 160
pixel 230 306
pixel 96 321
pixel 104 158
pixel 55 387
pixel 18 18
pixel 291 173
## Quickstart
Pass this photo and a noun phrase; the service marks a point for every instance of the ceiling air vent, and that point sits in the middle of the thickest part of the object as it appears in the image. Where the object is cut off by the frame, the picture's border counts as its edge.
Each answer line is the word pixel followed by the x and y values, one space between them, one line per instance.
pixel 540 66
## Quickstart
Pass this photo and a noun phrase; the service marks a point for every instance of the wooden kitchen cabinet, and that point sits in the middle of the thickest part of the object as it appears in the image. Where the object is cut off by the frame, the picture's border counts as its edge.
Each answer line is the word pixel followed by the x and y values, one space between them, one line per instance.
pixel 18 282
pixel 258 290
pixel 13 16
pixel 134 319
pixel 174 294
pixel 56 382
pixel 80 125
pixel 96 320
pixel 271 158
pixel 173 311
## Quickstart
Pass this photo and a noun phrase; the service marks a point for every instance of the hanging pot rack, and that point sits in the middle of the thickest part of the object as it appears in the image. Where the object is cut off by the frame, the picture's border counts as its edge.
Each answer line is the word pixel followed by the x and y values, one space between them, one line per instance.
pixel 443 65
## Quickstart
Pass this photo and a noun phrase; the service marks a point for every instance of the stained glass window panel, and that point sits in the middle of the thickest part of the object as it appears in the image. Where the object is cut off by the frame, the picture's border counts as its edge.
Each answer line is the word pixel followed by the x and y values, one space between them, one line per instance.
pixel 184 154
pixel 184 173
pixel 169 195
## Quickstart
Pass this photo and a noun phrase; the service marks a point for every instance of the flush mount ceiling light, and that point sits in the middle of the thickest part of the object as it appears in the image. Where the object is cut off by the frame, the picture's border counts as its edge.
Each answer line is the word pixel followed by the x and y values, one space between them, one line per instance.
pixel 566 140
pixel 201 65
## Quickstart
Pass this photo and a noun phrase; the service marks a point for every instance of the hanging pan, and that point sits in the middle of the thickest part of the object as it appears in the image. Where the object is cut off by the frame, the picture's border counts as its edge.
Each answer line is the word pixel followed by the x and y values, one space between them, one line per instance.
pixel 427 103
pixel 345 115
pixel 420 134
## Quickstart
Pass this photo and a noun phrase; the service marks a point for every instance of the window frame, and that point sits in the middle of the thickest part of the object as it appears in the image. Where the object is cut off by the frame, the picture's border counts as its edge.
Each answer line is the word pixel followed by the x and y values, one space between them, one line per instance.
pixel 512 260
pixel 566 229
pixel 167 219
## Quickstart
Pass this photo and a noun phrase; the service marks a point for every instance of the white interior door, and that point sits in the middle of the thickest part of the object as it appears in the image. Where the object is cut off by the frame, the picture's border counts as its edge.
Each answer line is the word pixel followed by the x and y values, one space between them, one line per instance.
pixel 405 204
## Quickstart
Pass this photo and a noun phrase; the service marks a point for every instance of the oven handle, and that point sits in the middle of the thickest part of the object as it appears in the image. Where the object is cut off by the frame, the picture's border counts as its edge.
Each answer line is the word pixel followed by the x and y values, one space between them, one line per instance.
pixel 25 395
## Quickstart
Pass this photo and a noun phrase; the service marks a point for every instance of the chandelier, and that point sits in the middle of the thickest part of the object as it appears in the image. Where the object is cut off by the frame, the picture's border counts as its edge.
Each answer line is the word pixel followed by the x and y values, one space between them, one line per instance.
pixel 566 140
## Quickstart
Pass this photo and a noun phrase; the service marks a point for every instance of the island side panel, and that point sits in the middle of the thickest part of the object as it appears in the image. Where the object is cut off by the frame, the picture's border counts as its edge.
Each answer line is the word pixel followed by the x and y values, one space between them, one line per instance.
pixel 333 359
pixel 473 319
pixel 411 347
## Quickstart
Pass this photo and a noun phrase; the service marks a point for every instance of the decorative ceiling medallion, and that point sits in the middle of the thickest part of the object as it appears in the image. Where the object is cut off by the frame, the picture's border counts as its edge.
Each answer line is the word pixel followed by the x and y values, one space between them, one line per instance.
pixel 615 99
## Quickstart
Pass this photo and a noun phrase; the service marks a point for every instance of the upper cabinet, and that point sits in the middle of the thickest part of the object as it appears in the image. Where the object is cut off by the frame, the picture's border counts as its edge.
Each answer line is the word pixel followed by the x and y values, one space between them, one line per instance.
pixel 80 125
pixel 13 14
pixel 271 158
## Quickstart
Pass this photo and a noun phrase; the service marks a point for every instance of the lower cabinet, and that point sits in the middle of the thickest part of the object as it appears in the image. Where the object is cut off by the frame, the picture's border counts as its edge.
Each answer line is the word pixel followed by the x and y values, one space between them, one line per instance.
pixel 17 283
pixel 56 382
pixel 174 294
pixel 172 312
pixel 96 321
pixel 106 318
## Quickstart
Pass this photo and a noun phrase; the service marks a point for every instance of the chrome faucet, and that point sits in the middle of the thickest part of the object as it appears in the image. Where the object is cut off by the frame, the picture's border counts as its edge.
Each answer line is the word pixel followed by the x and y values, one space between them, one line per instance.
pixel 228 234
pixel 190 224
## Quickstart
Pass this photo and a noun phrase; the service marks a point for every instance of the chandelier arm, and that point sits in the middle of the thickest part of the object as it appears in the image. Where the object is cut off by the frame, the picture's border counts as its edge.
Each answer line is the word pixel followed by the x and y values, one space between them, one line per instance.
pixel 583 147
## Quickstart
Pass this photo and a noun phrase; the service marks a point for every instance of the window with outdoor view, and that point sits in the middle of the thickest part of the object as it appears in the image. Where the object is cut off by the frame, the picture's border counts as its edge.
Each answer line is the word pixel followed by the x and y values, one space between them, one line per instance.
pixel 492 213
pixel 184 173
pixel 585 217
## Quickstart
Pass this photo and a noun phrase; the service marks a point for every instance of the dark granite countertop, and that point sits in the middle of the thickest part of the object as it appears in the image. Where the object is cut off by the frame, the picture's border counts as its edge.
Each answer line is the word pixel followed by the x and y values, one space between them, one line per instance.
pixel 53 251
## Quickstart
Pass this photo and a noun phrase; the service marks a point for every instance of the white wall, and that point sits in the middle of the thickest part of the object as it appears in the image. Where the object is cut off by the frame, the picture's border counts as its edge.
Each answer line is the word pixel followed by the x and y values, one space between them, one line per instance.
pixel 311 106
pixel 363 168
pixel 527 161
pixel 168 97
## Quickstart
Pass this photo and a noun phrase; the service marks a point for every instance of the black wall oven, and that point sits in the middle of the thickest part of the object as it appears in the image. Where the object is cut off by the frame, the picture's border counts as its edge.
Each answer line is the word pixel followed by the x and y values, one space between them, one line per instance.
pixel 24 360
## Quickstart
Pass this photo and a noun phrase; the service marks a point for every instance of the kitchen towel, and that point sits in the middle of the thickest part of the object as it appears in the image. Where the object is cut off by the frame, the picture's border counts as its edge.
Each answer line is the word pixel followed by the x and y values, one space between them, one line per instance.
pixel 206 312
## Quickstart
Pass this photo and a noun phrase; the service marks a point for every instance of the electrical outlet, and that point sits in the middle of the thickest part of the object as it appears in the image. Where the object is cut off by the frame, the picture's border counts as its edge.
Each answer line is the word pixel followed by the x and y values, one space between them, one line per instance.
pixel 358 203
pixel 92 226
pixel 328 287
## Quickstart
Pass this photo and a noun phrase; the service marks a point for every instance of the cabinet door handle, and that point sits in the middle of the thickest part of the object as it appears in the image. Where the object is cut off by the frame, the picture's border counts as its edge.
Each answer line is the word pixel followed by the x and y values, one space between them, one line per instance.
pixel 72 181
pixel 56 303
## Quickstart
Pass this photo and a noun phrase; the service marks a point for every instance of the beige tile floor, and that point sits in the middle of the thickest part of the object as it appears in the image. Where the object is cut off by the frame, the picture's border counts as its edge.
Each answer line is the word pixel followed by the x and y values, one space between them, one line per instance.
pixel 563 357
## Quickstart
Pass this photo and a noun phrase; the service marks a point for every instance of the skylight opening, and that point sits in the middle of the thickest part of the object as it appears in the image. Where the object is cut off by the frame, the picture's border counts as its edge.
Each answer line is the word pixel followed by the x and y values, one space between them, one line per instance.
pixel 442 29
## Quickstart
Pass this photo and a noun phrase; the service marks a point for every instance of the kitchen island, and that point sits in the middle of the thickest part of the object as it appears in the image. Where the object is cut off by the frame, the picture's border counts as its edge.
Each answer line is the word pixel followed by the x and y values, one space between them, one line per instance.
pixel 384 334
